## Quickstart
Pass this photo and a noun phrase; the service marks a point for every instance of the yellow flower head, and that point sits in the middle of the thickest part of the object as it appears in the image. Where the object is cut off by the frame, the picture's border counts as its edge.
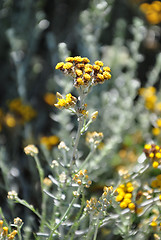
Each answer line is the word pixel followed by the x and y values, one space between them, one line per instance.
pixel 59 65
pixel 99 63
pixel 67 65
pixel 87 76
pixel 69 59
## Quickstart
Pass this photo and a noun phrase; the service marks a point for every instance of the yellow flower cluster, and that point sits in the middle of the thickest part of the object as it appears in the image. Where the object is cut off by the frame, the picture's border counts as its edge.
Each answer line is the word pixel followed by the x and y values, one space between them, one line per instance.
pixel 23 112
pixel 31 150
pixel 99 206
pixel 83 72
pixel 68 102
pixel 49 141
pixel 151 100
pixel 4 232
pixel 152 11
pixel 94 138
pixel 153 152
pixel 149 96
pixel 12 195
pixel 50 98
pixel 81 178
pixel 125 196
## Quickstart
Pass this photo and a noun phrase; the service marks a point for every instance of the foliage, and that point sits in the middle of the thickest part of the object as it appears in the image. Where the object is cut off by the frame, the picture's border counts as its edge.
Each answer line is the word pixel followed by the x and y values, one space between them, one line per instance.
pixel 92 130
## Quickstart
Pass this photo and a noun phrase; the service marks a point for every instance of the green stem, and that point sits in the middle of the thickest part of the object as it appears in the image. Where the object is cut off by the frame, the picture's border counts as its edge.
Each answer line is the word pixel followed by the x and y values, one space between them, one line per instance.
pixel 62 219
pixel 44 197
pixel 86 160
pixel 19 233
pixel 76 141
pixel 96 229
pixel 76 223
pixel 80 125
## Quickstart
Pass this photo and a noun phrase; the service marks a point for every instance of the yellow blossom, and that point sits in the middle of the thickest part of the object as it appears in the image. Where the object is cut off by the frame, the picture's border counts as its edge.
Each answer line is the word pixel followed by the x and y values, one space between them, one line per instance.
pixel 31 150
pixel 59 65
pixel 50 98
pixel 156 131
pixel 99 63
pixel 67 65
pixel 155 164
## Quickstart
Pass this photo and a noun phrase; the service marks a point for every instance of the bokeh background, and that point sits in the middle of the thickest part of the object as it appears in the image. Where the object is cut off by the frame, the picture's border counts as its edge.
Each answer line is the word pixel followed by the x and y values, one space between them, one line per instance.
pixel 34 36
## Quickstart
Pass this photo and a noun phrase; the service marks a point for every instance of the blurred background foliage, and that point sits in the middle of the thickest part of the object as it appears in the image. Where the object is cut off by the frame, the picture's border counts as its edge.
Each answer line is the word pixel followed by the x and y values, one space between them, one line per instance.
pixel 34 36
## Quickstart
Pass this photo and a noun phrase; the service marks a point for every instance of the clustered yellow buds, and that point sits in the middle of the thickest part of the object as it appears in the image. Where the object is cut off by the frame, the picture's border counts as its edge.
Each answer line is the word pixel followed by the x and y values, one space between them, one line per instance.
pixel 100 206
pixel 81 178
pixel 23 111
pixel 17 221
pixel 84 73
pixel 94 138
pixel 151 100
pixel 68 102
pixel 4 232
pixel 153 152
pixel 31 150
pixel 152 11
pixel 125 196
pixel 49 141
pixel 12 195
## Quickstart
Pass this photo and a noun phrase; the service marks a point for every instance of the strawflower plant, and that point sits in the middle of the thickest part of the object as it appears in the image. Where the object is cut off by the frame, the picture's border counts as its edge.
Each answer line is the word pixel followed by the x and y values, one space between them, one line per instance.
pixel 128 205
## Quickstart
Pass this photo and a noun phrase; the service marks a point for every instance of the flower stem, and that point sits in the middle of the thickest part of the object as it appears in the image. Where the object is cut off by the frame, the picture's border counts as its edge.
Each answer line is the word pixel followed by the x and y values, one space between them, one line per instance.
pixel 96 229
pixel 62 219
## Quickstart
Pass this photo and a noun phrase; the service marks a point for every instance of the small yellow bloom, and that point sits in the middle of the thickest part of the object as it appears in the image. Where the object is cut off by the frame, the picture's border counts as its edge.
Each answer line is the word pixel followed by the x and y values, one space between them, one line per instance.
pixel 151 155
pixel 131 206
pixel 87 76
pixel 69 59
pixel 107 69
pixel 158 122
pixel 130 189
pixel 47 182
pixel 94 115
pixel 31 150
pixel 99 63
pixel 80 81
pixel 87 70
pixel 156 131
pixel 158 155
pixel 107 75
pixel 10 120
pixel 67 65
pixel 128 195
pixel 78 72
pixel 127 200
pixel 153 224
pixel 123 205
pixel 85 60
pixel 100 76
pixel 78 59
pixel 119 198
pixel 50 98
pixel 155 164
pixel 96 67
pixel 147 146
pixel 5 231
pixel 59 65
